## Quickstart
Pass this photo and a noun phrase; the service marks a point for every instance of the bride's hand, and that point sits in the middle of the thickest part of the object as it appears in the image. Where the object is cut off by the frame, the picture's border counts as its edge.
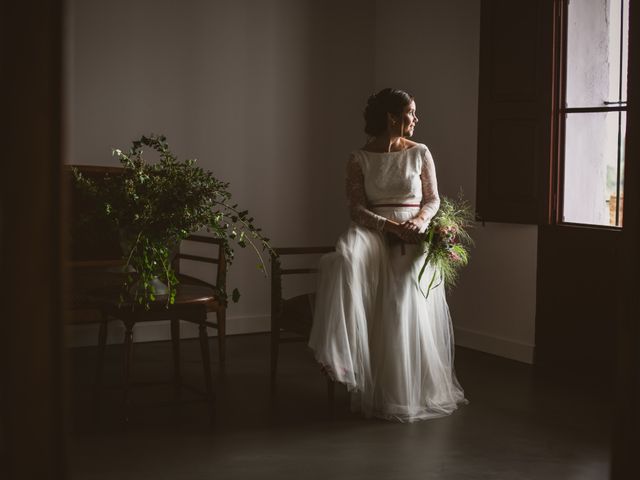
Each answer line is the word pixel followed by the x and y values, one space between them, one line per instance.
pixel 414 224
pixel 406 231
pixel 410 233
pixel 411 230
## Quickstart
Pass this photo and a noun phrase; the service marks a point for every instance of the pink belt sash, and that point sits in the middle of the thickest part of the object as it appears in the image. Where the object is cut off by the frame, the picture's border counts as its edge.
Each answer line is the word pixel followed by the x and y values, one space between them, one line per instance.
pixel 395 205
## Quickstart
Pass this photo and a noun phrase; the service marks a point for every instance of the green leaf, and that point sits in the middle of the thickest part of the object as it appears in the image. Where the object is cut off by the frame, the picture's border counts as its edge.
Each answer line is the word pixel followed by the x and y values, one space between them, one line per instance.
pixel 235 295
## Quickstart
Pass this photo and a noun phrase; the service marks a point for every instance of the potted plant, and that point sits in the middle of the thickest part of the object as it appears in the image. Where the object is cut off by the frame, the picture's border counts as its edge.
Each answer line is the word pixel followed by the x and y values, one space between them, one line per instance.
pixel 156 205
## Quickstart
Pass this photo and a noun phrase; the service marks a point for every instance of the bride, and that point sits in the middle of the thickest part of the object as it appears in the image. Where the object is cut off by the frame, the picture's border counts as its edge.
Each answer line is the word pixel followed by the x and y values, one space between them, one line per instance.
pixel 373 328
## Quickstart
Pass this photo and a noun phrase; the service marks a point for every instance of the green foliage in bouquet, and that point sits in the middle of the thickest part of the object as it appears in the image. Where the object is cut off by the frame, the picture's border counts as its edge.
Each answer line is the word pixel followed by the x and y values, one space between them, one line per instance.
pixel 447 242
pixel 156 205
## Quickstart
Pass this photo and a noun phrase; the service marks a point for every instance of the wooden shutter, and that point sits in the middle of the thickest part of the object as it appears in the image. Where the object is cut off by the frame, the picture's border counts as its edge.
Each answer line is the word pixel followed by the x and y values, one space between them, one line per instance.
pixel 514 112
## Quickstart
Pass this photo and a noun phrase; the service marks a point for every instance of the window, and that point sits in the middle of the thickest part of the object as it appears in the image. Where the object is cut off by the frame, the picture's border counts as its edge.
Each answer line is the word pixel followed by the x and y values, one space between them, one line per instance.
pixel 591 108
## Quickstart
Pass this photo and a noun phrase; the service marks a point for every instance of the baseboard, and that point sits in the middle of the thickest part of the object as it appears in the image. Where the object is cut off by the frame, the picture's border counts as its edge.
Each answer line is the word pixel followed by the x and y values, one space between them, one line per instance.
pixel 502 347
pixel 87 335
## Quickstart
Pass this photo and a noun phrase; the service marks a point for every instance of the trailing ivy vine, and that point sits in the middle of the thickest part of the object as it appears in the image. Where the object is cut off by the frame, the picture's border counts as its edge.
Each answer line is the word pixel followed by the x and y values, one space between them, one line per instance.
pixel 156 205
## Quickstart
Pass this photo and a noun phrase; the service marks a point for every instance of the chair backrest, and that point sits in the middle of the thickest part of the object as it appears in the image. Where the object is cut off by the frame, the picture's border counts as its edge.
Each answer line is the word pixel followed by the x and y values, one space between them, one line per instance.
pixel 217 258
pixel 94 241
pixel 277 271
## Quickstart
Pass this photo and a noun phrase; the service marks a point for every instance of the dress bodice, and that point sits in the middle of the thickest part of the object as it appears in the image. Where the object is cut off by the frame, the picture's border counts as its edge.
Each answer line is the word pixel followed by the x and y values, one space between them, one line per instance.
pixel 393 177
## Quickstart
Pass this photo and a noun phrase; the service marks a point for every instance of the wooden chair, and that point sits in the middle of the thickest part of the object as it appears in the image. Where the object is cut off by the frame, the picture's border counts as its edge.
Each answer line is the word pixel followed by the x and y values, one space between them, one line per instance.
pixel 195 298
pixel 292 317
pixel 219 307
pixel 95 292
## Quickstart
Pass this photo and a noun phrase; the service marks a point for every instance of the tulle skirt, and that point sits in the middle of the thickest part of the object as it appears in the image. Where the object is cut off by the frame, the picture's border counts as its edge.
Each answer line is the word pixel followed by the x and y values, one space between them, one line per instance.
pixel 375 331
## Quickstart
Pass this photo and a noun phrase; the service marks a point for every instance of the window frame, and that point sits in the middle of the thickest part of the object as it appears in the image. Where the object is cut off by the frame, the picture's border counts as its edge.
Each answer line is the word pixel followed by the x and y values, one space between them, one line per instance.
pixel 560 112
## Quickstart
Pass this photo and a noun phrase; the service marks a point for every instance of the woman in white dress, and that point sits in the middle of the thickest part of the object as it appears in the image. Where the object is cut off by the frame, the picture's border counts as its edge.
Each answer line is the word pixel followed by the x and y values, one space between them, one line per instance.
pixel 373 328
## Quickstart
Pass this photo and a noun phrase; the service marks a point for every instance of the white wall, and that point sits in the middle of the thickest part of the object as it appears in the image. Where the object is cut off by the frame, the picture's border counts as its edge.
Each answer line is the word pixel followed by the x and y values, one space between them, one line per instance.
pixel 269 94
pixel 266 94
pixel 431 49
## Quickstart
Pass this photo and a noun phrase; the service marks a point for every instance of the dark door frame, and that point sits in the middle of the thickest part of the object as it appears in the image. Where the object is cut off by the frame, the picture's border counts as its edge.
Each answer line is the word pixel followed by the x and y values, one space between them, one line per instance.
pixel 32 432
pixel 626 448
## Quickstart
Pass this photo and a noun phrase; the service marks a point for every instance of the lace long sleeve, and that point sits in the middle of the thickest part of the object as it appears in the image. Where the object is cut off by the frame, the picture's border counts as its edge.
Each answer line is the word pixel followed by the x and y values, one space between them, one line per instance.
pixel 357 198
pixel 430 199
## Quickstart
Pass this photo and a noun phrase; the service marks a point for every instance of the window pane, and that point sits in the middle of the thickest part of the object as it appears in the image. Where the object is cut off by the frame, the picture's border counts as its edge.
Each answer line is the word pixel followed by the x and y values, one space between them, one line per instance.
pixel 597 34
pixel 592 179
pixel 625 48
pixel 623 135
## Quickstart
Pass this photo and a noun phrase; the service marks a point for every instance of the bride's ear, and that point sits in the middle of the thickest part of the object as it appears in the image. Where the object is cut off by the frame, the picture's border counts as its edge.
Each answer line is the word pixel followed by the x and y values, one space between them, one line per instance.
pixel 391 119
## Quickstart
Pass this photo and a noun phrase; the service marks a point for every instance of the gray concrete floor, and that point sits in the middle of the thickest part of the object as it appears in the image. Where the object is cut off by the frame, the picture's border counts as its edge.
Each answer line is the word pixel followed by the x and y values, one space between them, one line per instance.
pixel 518 425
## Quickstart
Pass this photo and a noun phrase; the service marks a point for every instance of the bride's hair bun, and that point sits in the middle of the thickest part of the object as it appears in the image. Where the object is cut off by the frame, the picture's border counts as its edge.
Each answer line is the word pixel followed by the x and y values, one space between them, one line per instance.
pixel 387 100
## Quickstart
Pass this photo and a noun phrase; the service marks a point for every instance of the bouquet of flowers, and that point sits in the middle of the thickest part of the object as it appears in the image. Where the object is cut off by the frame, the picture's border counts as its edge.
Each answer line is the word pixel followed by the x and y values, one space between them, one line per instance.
pixel 447 242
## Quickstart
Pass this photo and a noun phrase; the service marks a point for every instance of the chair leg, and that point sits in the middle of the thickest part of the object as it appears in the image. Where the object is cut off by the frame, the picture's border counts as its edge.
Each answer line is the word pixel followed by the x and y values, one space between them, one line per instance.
pixel 275 348
pixel 128 353
pixel 206 366
pixel 175 346
pixel 331 394
pixel 102 344
pixel 221 316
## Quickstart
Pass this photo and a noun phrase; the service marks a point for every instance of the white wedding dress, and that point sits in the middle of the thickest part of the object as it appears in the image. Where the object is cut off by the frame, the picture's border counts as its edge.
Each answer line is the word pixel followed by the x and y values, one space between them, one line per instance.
pixel 373 328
